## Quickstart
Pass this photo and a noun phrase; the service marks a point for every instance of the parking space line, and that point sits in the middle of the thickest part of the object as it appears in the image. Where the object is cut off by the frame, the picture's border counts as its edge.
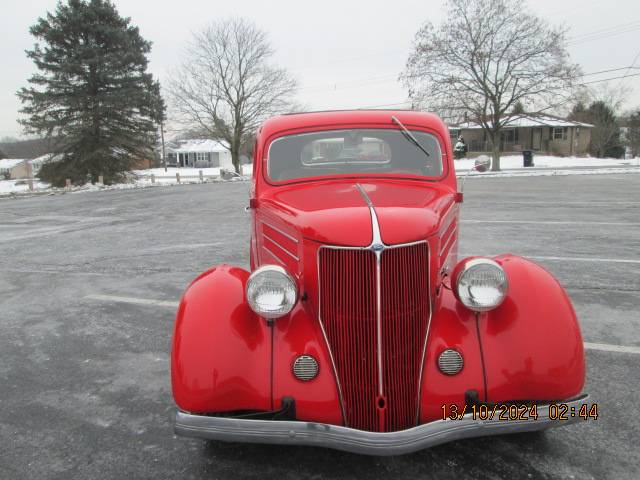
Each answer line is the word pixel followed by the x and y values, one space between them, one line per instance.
pixel 551 222
pixel 133 300
pixel 567 259
pixel 604 347
pixel 595 203
pixel 585 259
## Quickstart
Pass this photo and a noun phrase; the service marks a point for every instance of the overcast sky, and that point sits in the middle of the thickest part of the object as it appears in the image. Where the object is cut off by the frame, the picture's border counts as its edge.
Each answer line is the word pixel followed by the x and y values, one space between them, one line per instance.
pixel 345 54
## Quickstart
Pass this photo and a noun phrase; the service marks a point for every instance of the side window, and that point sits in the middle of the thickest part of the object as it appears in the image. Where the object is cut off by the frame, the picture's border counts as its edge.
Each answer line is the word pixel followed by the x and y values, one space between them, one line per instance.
pixel 559 133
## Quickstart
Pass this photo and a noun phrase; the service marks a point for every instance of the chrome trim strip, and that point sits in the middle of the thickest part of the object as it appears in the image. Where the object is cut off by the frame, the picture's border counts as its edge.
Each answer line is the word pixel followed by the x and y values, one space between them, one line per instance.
pixel 453 204
pixel 379 321
pixel 448 221
pixel 377 246
pixel 448 242
pixel 280 247
pixel 364 195
pixel 291 432
pixel 293 239
pixel 426 337
pixel 278 259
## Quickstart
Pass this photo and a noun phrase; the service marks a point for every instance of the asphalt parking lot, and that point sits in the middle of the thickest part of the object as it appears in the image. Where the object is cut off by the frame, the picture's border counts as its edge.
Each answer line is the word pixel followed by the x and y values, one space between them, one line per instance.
pixel 84 376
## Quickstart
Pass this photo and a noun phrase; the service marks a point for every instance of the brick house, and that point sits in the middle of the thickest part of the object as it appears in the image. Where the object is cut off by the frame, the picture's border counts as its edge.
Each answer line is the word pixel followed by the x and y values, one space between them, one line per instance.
pixel 541 133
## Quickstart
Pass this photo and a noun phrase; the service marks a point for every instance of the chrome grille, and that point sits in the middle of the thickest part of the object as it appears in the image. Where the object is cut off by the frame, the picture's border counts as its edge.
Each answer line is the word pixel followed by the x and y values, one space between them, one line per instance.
pixel 385 400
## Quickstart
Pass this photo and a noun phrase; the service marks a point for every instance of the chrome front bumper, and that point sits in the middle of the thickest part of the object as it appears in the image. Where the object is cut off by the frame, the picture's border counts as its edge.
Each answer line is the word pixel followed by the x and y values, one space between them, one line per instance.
pixel 359 441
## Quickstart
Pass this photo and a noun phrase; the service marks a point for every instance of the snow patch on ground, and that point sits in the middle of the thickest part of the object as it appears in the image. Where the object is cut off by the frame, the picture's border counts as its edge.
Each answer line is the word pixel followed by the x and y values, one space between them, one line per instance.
pixel 16 186
pixel 515 162
pixel 512 167
pixel 153 177
pixel 186 174
pixel 531 172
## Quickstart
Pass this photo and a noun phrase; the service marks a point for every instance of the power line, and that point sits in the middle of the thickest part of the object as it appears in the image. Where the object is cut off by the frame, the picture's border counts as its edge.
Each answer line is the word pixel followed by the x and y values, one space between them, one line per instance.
pixel 605 30
pixel 635 59
pixel 609 79
pixel 585 83
pixel 389 78
pixel 574 40
pixel 602 34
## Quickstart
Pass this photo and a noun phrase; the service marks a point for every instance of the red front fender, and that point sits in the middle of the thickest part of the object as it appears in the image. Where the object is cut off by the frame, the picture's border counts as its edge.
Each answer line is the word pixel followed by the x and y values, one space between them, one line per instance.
pixel 528 348
pixel 532 346
pixel 221 351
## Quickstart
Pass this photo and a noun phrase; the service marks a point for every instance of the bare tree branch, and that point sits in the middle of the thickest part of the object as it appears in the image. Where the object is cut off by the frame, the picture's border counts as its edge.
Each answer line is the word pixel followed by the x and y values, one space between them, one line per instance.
pixel 226 86
pixel 487 57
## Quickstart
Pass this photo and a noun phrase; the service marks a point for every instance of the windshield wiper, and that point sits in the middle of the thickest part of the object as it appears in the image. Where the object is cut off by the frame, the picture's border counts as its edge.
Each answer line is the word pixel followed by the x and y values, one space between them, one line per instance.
pixel 409 135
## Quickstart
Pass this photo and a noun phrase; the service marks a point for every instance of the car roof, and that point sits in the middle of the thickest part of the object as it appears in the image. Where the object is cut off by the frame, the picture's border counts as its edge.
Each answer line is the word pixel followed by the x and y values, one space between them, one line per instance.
pixel 335 118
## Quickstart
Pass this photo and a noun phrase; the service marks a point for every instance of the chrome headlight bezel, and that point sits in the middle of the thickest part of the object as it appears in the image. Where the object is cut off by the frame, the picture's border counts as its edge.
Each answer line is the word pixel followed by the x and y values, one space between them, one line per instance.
pixel 280 278
pixel 466 277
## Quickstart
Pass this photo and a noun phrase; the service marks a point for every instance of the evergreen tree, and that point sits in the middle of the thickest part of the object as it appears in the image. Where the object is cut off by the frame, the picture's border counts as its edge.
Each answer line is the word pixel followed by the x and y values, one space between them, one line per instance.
pixel 518 108
pixel 605 134
pixel 92 92
pixel 633 133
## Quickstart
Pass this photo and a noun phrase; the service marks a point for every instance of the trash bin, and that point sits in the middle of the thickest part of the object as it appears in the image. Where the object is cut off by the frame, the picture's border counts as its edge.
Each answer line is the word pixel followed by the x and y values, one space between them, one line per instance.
pixel 527 157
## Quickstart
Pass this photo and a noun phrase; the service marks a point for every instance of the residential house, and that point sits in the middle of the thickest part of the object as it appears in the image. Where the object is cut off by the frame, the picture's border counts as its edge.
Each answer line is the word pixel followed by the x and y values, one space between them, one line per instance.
pixel 198 154
pixel 541 133
pixel 14 168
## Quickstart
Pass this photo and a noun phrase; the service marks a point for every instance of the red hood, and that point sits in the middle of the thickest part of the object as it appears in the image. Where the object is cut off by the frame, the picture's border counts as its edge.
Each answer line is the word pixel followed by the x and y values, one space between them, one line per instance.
pixel 335 212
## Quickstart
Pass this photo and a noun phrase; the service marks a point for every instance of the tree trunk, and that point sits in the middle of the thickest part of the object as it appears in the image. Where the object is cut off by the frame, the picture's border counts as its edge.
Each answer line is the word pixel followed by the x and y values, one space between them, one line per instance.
pixel 495 154
pixel 495 159
pixel 235 158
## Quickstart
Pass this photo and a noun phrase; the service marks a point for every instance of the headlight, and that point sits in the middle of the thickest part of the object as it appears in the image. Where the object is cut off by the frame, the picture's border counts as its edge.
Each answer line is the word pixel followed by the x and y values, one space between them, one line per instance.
pixel 480 284
pixel 271 292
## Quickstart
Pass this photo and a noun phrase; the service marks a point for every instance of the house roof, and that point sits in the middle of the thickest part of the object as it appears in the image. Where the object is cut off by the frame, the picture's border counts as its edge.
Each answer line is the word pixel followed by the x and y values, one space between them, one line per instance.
pixel 195 146
pixel 47 157
pixel 530 121
pixel 8 163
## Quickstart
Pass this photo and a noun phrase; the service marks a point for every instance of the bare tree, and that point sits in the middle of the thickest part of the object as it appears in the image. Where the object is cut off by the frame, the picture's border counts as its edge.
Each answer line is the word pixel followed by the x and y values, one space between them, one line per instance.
pixel 488 56
pixel 226 86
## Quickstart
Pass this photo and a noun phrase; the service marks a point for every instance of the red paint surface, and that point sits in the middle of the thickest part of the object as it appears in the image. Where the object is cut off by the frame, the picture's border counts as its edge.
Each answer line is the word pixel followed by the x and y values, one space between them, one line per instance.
pixel 452 326
pixel 317 400
pixel 222 358
pixel 532 343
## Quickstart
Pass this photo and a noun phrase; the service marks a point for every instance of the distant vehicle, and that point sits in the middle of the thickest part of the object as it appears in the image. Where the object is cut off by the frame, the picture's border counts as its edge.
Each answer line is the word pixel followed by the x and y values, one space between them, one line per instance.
pixel 358 327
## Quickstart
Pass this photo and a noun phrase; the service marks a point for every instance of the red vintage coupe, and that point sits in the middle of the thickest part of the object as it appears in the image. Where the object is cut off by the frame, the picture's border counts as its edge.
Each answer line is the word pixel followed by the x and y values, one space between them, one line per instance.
pixel 358 327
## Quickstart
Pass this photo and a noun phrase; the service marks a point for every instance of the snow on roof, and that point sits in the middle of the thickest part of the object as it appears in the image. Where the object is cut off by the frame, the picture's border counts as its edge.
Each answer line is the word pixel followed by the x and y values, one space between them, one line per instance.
pixel 531 121
pixel 9 163
pixel 206 145
pixel 47 157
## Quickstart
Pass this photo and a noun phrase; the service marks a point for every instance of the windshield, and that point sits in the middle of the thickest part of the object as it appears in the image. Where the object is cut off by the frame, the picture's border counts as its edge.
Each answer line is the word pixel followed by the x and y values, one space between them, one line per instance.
pixel 354 151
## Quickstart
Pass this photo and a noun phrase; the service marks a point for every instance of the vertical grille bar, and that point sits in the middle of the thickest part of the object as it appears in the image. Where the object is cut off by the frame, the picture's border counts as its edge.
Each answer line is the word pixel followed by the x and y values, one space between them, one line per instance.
pixel 348 314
